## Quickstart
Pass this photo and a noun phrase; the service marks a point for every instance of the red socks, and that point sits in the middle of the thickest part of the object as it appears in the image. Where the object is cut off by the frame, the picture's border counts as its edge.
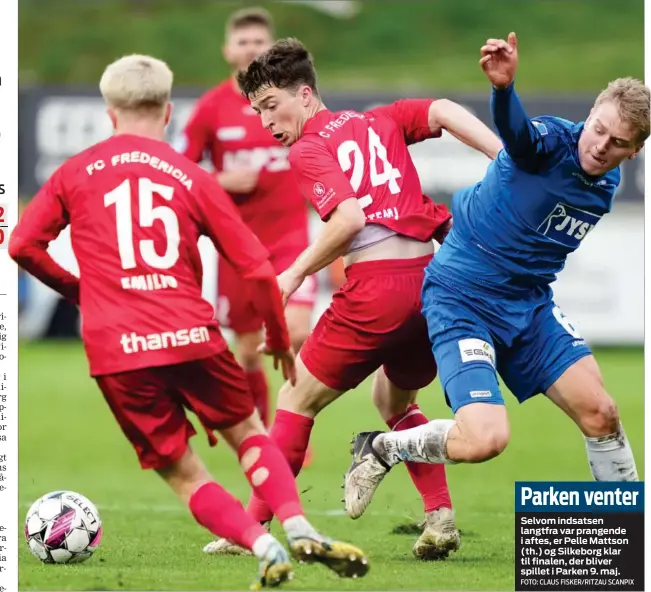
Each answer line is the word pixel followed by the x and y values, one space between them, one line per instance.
pixel 223 515
pixel 430 480
pixel 260 390
pixel 290 432
pixel 272 480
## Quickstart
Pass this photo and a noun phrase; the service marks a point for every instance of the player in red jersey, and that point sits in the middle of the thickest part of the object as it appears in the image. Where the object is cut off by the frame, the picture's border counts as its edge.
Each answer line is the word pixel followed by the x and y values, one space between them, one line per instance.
pixel 357 171
pixel 252 167
pixel 136 209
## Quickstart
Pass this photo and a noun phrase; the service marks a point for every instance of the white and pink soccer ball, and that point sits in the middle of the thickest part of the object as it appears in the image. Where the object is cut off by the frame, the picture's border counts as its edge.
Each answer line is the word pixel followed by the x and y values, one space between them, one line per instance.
pixel 63 527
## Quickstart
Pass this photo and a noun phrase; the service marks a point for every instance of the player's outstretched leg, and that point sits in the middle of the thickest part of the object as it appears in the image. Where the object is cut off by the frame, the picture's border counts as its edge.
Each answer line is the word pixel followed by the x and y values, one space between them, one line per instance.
pixel 580 393
pixel 479 432
pixel 222 514
pixel 290 431
pixel 438 533
pixel 298 314
pixel 271 478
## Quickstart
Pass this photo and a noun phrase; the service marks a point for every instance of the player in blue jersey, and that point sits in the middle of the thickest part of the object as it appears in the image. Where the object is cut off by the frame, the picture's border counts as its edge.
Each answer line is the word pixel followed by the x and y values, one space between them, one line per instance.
pixel 487 295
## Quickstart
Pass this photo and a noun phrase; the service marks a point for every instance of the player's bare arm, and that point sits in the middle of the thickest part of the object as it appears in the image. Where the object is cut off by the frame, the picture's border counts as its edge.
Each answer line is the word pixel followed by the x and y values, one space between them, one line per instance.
pixel 463 125
pixel 345 222
pixel 320 175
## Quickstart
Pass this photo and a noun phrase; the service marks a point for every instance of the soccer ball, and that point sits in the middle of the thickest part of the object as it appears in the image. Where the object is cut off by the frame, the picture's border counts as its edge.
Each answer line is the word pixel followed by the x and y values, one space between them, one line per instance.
pixel 63 527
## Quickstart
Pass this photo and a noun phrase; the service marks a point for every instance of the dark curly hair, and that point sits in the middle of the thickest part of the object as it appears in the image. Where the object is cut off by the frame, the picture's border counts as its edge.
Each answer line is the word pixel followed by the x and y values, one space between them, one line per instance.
pixel 286 64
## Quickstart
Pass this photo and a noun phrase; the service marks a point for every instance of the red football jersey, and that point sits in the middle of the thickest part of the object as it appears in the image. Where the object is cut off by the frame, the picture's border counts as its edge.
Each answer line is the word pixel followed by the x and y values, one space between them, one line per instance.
pixel 137 208
pixel 364 155
pixel 224 124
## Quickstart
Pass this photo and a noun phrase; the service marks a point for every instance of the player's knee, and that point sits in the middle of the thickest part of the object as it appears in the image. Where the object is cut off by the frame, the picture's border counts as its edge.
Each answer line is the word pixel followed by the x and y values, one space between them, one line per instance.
pixel 295 400
pixel 601 416
pixel 485 429
pixel 185 475
pixel 307 397
pixel 489 444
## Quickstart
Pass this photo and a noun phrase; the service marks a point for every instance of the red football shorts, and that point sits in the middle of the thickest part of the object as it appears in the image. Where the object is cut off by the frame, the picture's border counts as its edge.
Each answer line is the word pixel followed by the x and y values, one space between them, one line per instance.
pixel 150 404
pixel 235 308
pixel 374 320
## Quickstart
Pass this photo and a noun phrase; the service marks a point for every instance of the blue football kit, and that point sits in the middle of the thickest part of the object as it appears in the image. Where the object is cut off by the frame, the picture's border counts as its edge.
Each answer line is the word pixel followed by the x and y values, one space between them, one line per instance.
pixel 486 294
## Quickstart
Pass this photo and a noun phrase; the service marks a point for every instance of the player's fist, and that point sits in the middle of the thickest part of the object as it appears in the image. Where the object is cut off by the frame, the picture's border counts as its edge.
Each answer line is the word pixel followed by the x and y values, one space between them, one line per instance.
pixel 284 359
pixel 499 60
pixel 289 282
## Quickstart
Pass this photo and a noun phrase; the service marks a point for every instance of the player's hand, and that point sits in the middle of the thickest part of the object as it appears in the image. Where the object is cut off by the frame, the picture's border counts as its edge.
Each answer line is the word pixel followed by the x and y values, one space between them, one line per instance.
pixel 239 181
pixel 499 60
pixel 289 282
pixel 285 359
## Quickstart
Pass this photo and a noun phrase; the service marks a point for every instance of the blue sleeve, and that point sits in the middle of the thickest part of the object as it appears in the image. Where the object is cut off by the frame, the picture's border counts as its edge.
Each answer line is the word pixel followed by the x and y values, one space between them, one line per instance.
pixel 527 143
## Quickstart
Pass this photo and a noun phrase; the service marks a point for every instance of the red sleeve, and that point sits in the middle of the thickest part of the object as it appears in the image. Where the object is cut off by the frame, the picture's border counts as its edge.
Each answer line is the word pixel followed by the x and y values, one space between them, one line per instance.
pixel 42 221
pixel 319 176
pixel 412 117
pixel 196 134
pixel 444 218
pixel 222 223
pixel 268 302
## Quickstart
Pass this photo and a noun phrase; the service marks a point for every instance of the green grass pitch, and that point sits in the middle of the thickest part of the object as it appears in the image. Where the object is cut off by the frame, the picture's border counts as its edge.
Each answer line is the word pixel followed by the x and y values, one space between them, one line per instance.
pixel 69 440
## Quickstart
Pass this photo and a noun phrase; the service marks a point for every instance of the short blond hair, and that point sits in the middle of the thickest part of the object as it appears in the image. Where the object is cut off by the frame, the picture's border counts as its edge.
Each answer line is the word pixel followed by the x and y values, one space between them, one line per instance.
pixel 137 82
pixel 632 98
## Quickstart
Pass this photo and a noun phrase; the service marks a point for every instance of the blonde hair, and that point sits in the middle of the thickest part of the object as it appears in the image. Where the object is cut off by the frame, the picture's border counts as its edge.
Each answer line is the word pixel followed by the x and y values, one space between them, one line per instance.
pixel 137 82
pixel 632 99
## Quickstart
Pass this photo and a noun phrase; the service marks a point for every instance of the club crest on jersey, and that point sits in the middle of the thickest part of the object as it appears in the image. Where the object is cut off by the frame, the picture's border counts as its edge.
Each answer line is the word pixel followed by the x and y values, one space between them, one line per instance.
pixel 568 225
pixel 322 194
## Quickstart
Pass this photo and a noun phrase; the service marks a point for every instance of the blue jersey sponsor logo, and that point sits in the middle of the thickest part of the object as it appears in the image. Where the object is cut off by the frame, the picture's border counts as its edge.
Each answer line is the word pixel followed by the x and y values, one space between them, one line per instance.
pixel 568 225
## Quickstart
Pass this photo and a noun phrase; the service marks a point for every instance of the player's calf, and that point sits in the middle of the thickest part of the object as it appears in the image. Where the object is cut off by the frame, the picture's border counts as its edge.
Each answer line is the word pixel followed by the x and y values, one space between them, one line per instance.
pixel 581 394
pixel 390 401
pixel 397 408
pixel 271 478
pixel 223 515
pixel 479 432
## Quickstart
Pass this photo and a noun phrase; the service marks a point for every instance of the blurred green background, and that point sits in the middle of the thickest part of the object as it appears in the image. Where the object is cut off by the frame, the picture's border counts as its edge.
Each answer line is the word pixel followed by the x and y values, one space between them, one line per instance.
pixel 571 45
